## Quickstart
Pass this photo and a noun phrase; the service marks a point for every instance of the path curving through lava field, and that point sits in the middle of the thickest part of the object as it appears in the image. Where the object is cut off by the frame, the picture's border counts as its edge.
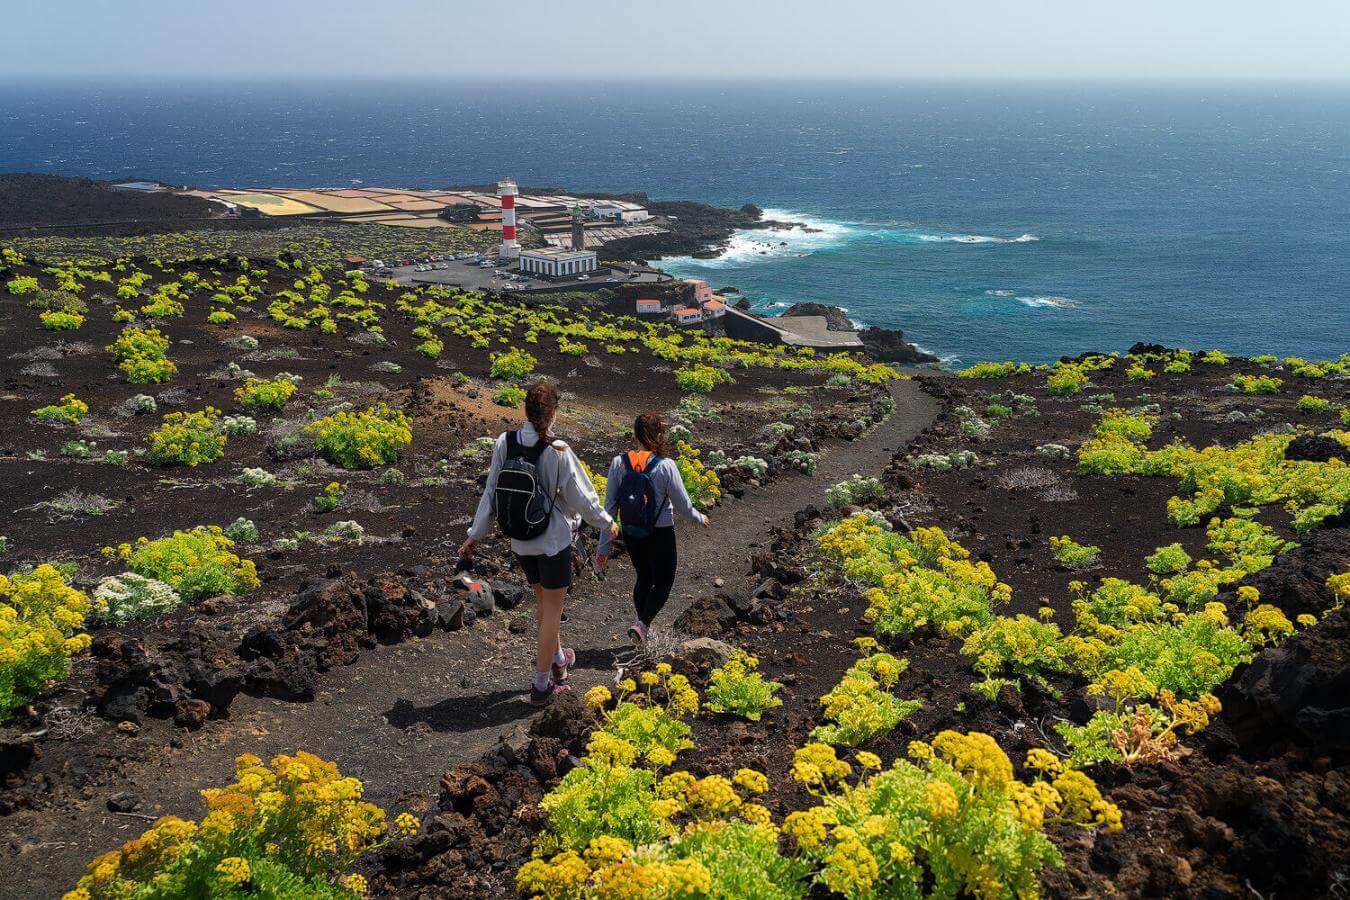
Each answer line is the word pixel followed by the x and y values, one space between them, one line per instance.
pixel 401 715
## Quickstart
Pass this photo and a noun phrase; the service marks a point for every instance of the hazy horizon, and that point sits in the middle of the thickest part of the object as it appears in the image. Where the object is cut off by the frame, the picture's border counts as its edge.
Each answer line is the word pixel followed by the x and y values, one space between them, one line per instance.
pixel 1053 40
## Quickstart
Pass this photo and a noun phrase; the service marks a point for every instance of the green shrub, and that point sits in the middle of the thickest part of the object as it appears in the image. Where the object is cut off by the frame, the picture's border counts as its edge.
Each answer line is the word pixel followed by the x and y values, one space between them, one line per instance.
pixel 1070 553
pixel 197 563
pixel 331 497
pixel 1066 379
pixel 854 490
pixel 950 821
pixel 1309 403
pixel 130 596
pixel 23 284
pixel 700 378
pixel 373 437
pixel 701 482
pixel 990 370
pixel 288 831
pixel 1169 560
pixel 512 364
pixel 55 320
pixel 736 688
pixel 68 412
pixel 511 396
pixel 187 439
pixel 258 393
pixel 39 617
pixel 141 354
pixel 1020 646
pixel 242 530
pixel 861 706
pixel 1258 384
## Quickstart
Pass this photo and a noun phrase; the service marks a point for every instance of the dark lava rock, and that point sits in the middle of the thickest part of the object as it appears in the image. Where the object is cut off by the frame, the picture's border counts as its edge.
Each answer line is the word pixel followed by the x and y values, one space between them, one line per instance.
pixel 332 613
pixel 17 755
pixel 191 713
pixel 507 596
pixel 889 345
pixel 124 802
pixel 132 682
pixel 1298 690
pixel 449 615
pixel 803 517
pixel 1314 448
pixel 290 678
pixel 1140 349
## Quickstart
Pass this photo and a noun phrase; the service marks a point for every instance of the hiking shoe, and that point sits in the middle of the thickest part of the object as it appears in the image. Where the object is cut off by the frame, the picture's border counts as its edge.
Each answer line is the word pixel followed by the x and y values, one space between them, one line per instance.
pixel 569 660
pixel 637 633
pixel 545 697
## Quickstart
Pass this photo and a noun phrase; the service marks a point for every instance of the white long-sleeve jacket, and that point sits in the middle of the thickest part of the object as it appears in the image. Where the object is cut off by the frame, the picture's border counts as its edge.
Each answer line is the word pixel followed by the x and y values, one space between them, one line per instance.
pixel 668 485
pixel 561 474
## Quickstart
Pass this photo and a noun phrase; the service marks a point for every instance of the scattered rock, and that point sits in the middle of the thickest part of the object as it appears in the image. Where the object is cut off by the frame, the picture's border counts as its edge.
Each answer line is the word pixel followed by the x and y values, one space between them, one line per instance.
pixel 124 802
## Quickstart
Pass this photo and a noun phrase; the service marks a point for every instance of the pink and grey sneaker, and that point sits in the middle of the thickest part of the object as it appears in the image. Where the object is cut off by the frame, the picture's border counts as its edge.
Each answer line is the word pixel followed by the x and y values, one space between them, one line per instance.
pixel 637 633
pixel 545 697
pixel 569 660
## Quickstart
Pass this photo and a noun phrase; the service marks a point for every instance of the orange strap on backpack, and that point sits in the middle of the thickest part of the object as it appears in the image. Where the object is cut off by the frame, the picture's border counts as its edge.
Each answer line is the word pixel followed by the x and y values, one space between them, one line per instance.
pixel 638 459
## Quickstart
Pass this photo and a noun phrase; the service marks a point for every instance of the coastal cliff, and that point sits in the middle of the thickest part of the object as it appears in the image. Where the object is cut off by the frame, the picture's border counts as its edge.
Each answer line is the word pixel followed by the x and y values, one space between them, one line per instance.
pixel 885 344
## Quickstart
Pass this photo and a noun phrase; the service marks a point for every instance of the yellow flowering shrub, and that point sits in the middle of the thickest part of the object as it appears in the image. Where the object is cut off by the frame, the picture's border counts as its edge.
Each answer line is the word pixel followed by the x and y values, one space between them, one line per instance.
pixel 262 393
pixel 1143 733
pixel 923 580
pixel 290 829
pixel 372 437
pixel 702 483
pixel 990 370
pixel 861 706
pixel 197 563
pixel 187 439
pixel 617 830
pixel 40 616
pixel 142 355
pixel 738 689
pixel 69 411
pixel 1020 646
pixel 951 821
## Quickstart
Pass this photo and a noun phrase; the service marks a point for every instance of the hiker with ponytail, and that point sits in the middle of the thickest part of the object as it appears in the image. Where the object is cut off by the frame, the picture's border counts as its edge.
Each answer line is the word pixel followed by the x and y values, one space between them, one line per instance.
pixel 644 492
pixel 538 494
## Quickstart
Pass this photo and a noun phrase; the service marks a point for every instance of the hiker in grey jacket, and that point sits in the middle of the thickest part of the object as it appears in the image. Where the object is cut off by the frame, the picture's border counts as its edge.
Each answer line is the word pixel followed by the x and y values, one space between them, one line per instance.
pixel 652 550
pixel 546 559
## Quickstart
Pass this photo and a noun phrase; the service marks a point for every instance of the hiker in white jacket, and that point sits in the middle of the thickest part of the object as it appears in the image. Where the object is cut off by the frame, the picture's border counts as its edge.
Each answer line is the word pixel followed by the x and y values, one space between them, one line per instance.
pixel 547 558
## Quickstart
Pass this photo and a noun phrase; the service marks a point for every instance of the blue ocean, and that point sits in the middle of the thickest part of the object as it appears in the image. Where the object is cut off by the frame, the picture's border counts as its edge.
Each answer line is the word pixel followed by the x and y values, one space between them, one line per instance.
pixel 988 220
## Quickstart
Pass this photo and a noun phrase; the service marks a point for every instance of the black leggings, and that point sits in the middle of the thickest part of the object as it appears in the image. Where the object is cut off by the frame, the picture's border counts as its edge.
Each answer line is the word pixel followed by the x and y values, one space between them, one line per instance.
pixel 654 561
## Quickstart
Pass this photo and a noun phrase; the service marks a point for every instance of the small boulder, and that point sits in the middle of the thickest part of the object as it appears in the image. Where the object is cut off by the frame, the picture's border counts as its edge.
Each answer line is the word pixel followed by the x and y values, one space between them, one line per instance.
pixel 124 802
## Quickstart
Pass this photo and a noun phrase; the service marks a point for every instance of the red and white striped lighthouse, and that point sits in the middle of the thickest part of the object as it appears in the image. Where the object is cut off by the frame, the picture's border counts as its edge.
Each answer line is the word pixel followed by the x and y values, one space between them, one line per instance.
pixel 506 190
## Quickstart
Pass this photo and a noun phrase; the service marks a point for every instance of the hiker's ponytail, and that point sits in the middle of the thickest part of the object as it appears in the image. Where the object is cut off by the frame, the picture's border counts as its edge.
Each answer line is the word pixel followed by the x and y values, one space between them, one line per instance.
pixel 541 406
pixel 650 431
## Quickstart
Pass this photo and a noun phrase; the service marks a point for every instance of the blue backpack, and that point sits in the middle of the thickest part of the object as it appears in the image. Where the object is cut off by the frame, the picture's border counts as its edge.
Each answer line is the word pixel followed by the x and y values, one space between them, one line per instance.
pixel 638 506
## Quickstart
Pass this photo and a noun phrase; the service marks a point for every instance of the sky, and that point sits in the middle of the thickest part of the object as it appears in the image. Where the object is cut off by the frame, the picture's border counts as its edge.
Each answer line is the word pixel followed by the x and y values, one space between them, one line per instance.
pixel 886 39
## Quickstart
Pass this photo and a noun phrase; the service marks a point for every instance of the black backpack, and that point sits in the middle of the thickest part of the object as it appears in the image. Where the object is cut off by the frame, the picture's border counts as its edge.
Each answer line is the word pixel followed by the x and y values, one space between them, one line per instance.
pixel 523 508
pixel 638 506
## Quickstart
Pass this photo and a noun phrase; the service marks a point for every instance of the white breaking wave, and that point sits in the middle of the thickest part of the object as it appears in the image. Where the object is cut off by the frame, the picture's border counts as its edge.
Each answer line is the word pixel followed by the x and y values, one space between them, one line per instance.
pixel 765 245
pixel 976 239
pixel 755 245
pixel 1048 300
pixel 1036 300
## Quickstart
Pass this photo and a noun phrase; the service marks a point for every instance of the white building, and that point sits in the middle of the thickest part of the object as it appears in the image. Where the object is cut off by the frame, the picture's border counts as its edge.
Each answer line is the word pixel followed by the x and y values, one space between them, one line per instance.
pixel 619 211
pixel 552 262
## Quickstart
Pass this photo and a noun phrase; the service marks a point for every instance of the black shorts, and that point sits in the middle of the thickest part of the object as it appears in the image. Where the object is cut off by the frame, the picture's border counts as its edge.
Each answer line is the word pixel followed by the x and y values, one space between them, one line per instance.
pixel 549 572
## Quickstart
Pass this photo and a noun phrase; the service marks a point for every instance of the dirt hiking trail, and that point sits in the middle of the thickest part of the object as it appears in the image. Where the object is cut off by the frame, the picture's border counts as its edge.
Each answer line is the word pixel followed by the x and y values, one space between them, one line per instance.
pixel 401 715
